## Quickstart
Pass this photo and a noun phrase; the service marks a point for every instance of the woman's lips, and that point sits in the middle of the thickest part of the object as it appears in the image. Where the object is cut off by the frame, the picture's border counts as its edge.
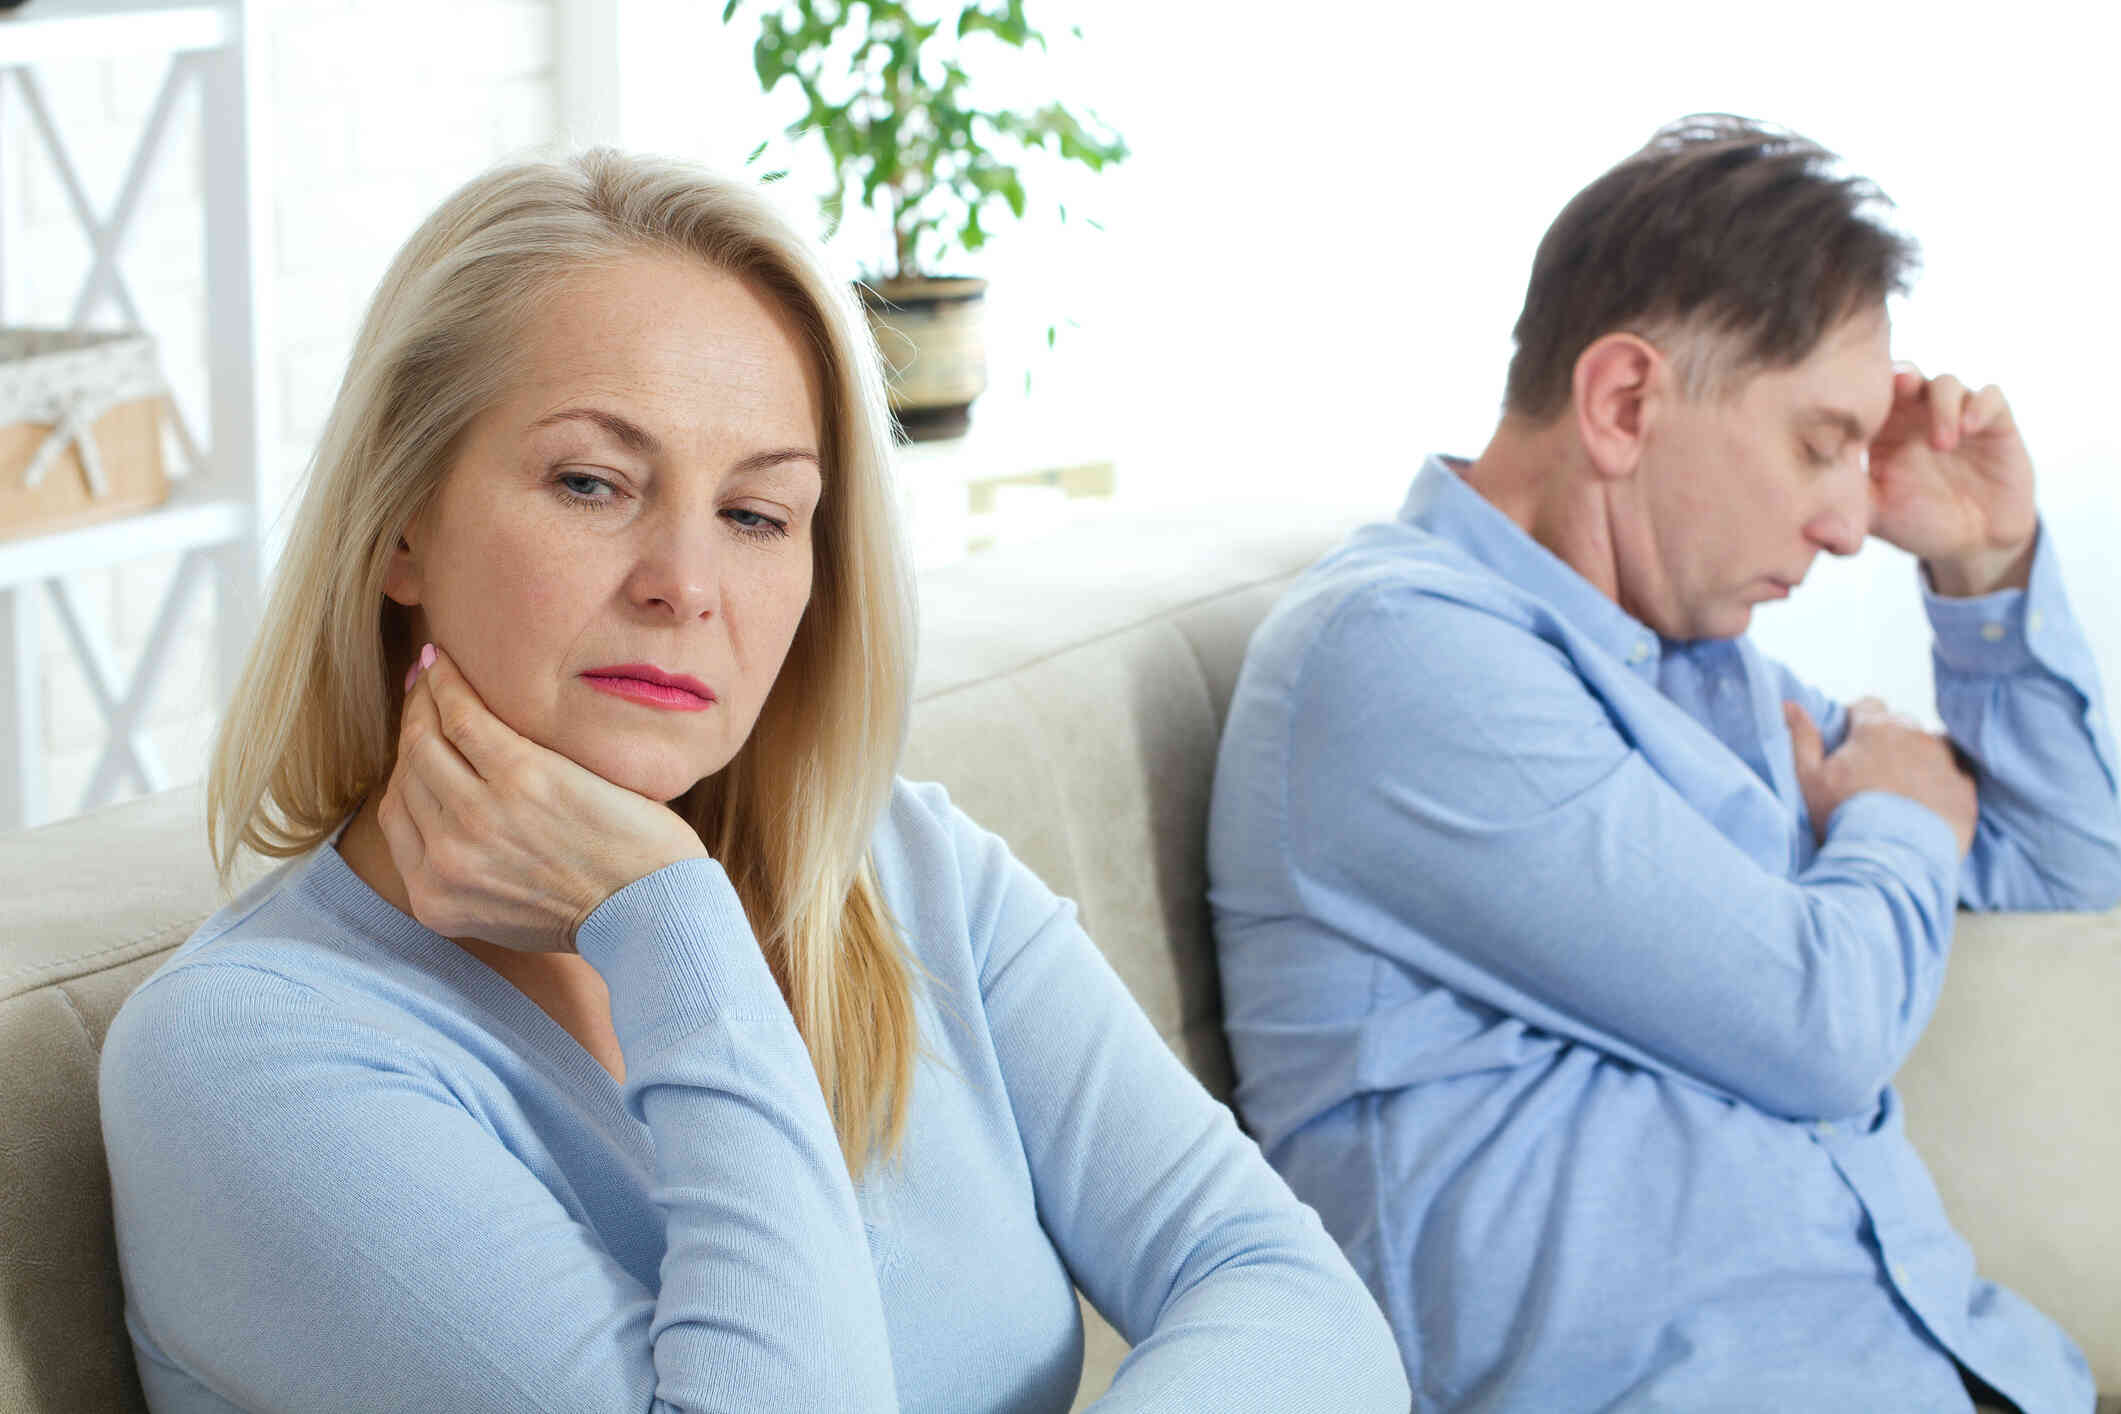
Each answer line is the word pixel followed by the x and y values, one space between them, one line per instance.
pixel 667 695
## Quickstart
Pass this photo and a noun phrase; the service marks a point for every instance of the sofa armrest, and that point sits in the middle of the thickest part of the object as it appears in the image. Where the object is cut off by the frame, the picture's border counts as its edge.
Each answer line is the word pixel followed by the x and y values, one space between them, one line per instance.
pixel 2013 1098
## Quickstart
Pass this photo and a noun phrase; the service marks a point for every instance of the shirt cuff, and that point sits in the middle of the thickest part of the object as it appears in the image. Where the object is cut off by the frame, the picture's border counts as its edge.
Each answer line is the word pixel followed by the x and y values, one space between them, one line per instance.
pixel 677 953
pixel 2000 633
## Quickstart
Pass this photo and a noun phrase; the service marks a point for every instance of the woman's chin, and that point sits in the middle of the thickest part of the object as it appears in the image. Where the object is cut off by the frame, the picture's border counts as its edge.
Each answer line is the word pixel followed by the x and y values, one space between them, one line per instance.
pixel 648 773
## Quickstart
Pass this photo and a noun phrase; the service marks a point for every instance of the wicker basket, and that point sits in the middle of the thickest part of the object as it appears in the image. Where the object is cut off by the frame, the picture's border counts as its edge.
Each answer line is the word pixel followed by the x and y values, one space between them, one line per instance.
pixel 80 428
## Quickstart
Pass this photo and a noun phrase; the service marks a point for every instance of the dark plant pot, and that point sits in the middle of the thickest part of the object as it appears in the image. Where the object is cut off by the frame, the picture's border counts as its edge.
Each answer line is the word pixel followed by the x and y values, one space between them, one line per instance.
pixel 929 332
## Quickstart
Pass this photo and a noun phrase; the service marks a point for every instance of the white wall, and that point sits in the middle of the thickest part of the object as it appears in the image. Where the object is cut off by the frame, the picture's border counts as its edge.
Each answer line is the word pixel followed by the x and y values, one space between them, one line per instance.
pixel 1309 268
pixel 1312 264
pixel 379 108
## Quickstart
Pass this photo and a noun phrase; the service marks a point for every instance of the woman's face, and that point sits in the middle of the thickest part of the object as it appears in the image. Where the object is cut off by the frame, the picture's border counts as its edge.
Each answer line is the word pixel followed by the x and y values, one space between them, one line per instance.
pixel 639 504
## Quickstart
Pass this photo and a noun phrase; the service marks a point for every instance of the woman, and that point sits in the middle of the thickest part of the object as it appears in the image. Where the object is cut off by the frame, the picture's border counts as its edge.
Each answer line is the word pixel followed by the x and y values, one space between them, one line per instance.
pixel 620 1034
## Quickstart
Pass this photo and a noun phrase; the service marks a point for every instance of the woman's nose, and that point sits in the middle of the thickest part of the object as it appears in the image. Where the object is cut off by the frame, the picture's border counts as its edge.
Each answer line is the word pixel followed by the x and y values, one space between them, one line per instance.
pixel 677 565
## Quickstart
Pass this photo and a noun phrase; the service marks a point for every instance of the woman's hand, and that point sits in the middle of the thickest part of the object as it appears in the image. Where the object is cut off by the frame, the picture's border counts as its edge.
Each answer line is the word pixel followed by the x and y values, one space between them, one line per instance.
pixel 500 839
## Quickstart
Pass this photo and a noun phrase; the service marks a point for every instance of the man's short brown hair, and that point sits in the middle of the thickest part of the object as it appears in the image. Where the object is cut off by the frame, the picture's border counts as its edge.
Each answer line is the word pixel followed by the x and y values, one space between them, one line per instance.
pixel 1719 225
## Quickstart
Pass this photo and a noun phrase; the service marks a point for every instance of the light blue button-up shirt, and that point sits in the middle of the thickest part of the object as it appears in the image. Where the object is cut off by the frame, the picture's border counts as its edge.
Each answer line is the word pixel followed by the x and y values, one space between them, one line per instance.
pixel 1541 991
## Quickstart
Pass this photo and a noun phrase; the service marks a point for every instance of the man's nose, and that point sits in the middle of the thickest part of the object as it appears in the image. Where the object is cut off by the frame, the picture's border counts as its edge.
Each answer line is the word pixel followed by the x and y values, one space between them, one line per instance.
pixel 678 567
pixel 1841 526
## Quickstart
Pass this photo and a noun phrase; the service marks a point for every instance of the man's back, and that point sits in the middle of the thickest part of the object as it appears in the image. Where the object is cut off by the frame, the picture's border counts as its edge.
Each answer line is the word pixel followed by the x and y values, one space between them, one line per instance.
pixel 1541 988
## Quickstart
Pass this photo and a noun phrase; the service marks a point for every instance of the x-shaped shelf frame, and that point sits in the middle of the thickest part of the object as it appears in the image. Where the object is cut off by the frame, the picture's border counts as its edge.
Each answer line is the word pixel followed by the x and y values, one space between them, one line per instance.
pixel 212 519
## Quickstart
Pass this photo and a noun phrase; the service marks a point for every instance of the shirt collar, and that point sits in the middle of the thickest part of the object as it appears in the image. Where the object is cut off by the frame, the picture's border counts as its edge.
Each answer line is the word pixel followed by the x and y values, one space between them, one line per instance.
pixel 1441 503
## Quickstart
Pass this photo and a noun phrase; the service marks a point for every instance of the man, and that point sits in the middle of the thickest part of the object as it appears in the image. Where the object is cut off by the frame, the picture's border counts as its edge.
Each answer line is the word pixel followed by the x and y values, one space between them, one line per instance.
pixel 1568 945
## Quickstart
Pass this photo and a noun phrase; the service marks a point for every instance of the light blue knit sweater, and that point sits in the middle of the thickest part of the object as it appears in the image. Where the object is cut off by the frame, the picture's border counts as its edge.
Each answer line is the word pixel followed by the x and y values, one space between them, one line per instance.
pixel 353 1168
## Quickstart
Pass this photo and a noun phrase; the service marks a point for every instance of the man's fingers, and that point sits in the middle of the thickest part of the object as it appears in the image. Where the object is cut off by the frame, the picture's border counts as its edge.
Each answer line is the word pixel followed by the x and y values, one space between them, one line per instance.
pixel 1804 738
pixel 484 739
pixel 1869 709
pixel 1984 410
pixel 1947 400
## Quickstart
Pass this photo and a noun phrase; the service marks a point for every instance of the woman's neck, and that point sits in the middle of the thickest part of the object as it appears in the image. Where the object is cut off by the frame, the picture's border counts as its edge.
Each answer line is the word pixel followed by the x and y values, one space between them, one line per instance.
pixel 563 985
pixel 362 845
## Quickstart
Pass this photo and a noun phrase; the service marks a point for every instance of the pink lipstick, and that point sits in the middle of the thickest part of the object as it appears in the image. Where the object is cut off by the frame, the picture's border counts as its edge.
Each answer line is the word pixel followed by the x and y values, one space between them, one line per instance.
pixel 651 686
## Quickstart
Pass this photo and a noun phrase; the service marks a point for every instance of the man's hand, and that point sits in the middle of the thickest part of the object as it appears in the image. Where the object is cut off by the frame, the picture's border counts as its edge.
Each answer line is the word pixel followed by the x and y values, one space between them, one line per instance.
pixel 500 839
pixel 1952 485
pixel 1881 752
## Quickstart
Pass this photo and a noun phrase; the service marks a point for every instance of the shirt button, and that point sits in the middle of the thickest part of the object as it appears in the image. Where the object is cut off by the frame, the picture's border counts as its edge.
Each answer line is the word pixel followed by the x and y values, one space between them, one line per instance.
pixel 1824 1129
pixel 2032 621
pixel 1900 1274
pixel 1640 653
pixel 1993 632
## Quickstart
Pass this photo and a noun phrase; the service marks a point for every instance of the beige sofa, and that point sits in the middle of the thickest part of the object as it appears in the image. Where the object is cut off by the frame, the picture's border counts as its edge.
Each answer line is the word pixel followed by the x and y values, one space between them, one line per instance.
pixel 1071 692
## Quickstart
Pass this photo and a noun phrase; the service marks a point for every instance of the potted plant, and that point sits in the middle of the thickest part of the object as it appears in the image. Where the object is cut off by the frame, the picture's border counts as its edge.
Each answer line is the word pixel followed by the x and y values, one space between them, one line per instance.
pixel 887 91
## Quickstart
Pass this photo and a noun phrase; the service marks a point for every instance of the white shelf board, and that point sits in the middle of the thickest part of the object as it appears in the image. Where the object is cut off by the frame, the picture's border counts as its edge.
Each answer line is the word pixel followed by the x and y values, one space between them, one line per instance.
pixel 1003 448
pixel 71 29
pixel 186 522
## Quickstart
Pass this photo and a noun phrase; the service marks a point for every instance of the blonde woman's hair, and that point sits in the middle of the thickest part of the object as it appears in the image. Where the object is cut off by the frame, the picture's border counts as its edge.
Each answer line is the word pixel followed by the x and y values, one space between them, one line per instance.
pixel 313 724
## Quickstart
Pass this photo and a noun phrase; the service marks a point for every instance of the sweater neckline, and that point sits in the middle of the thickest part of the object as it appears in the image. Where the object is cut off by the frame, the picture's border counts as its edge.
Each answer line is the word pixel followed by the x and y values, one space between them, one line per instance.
pixel 331 884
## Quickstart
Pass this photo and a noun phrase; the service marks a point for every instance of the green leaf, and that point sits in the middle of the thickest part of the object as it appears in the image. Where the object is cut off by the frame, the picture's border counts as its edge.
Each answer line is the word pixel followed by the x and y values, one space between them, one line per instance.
pixel 895 113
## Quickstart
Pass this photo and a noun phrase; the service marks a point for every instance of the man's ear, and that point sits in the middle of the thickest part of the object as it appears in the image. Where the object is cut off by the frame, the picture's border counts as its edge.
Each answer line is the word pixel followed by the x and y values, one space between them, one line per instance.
pixel 1613 385
pixel 401 581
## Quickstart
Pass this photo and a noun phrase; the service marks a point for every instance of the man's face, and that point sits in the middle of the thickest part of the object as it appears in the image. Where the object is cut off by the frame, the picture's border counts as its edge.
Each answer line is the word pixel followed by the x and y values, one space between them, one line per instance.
pixel 1738 491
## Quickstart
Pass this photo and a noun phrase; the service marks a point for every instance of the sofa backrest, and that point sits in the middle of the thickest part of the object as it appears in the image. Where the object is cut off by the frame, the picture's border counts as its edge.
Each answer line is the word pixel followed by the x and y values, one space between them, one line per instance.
pixel 1070 695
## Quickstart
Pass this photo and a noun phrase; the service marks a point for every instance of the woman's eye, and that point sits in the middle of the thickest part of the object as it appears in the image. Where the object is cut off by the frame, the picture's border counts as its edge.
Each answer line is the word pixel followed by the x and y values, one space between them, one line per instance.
pixel 753 524
pixel 581 489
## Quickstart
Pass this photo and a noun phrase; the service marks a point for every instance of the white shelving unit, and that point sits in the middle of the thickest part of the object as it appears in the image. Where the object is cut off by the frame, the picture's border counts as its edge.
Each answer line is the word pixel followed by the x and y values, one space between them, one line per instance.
pixel 216 514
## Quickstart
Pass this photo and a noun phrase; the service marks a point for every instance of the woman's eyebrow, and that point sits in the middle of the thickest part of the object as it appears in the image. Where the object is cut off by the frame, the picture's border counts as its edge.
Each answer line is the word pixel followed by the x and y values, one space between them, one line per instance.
pixel 638 439
pixel 631 435
pixel 766 461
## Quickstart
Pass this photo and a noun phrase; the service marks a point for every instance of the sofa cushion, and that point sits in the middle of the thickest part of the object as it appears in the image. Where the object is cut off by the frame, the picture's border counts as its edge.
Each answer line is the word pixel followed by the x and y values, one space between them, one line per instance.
pixel 93 905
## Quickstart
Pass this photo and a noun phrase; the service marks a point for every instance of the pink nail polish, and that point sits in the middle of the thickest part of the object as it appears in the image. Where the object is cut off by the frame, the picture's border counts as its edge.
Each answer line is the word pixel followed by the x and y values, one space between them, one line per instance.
pixel 420 665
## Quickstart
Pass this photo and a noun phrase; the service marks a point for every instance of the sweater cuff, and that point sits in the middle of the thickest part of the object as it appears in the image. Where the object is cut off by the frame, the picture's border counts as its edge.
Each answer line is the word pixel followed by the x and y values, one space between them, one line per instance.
pixel 677 953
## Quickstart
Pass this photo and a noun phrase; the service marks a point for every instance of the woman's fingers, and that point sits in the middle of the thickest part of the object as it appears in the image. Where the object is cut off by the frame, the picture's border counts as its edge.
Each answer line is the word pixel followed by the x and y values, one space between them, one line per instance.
pixel 424 744
pixel 421 800
pixel 484 740
pixel 408 850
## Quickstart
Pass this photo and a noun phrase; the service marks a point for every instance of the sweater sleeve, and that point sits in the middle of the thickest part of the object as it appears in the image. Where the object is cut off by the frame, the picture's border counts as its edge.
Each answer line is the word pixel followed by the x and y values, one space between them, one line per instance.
pixel 313 1216
pixel 1230 1291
